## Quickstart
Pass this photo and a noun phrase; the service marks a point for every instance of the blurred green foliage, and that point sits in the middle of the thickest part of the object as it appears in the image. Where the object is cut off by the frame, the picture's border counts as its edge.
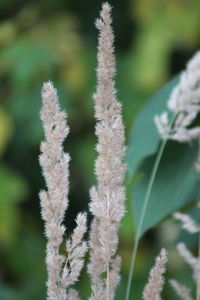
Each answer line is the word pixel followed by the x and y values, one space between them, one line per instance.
pixel 56 40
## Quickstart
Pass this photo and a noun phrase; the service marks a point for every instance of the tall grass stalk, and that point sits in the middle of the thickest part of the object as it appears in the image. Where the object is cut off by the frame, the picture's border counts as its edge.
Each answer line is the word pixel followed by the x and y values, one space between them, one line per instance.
pixel 198 271
pixel 144 208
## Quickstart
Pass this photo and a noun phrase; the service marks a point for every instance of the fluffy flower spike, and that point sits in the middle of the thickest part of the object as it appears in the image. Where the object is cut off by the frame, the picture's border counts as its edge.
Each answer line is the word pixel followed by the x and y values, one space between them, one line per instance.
pixel 54 201
pixel 107 198
pixel 155 283
pixel 184 102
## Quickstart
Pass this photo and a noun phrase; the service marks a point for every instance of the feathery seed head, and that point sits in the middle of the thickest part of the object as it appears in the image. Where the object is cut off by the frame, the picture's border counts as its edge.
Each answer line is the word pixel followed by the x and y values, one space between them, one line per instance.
pixel 107 199
pixel 54 202
pixel 181 290
pixel 184 101
pixel 188 223
pixel 155 283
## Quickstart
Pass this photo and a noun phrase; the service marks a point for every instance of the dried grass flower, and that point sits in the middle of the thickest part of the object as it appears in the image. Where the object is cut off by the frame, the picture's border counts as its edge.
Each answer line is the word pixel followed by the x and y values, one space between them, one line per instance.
pixel 184 102
pixel 63 271
pixel 107 198
pixel 155 282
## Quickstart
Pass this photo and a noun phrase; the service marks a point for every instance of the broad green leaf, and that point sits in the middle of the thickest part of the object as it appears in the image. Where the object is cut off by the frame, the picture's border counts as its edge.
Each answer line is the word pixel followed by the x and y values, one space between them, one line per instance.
pixel 175 183
pixel 144 137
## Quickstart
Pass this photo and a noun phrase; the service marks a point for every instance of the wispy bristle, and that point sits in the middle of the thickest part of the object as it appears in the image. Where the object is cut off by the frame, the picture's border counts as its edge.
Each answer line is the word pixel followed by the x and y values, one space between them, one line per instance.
pixel 181 290
pixel 54 201
pixel 155 283
pixel 188 223
pixel 107 198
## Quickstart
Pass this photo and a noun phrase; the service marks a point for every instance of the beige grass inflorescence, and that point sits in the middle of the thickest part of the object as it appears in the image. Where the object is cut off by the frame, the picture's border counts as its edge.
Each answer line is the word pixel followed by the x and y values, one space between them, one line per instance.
pixel 184 102
pixel 193 227
pixel 188 223
pixel 155 282
pixel 181 290
pixel 63 271
pixel 107 198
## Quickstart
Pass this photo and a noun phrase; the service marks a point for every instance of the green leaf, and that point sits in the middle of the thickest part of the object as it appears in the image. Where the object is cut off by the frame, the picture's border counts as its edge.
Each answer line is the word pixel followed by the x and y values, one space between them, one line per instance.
pixel 175 183
pixel 144 137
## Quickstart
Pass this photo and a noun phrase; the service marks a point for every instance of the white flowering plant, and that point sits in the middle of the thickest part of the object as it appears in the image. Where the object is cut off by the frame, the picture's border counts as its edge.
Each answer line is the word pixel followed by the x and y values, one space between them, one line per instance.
pixel 163 147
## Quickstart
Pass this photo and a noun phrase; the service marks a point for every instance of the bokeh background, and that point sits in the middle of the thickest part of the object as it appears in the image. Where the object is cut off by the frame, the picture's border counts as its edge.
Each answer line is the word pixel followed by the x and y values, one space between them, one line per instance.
pixel 56 40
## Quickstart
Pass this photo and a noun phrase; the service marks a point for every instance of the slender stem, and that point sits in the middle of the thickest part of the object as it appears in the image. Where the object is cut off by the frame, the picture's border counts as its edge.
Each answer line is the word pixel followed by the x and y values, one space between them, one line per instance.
pixel 107 283
pixel 108 265
pixel 146 200
pixel 198 272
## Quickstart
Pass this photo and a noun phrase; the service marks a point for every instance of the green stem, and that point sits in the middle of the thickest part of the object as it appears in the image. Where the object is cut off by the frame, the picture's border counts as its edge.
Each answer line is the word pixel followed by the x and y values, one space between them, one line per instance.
pixel 107 283
pixel 146 200
pixel 198 271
